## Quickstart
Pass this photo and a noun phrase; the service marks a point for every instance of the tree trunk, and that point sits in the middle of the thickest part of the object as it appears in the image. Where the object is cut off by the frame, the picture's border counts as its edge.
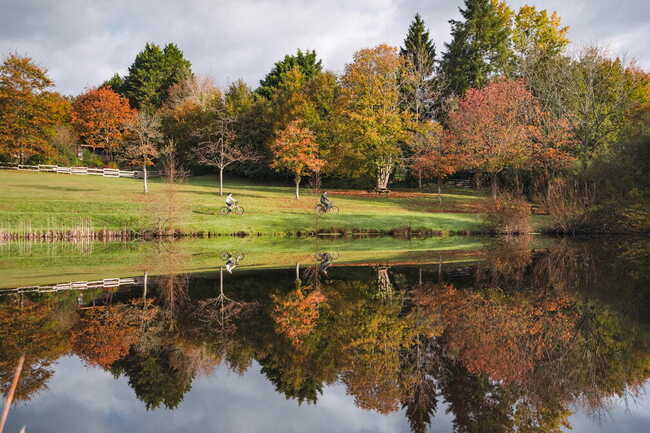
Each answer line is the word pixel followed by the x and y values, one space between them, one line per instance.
pixel 384 170
pixel 144 175
pixel 220 181
pixel 420 180
pixel 440 190
pixel 297 187
pixel 495 186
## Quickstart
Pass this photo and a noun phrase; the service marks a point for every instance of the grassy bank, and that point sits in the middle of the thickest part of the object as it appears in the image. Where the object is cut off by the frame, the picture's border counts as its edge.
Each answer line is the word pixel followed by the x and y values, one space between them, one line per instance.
pixel 47 201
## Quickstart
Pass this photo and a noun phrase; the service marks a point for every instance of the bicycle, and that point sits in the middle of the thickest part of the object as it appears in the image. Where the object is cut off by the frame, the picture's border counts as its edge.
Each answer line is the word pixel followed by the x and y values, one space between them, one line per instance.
pixel 320 209
pixel 236 209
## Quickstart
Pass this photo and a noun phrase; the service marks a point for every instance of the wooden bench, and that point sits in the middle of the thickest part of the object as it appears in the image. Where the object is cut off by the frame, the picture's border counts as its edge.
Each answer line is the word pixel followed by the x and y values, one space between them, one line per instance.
pixel 379 191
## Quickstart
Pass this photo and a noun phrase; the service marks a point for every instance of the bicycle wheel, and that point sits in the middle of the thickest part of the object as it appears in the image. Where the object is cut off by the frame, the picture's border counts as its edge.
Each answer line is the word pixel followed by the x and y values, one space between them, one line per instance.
pixel 239 210
pixel 319 209
pixel 334 210
pixel 224 210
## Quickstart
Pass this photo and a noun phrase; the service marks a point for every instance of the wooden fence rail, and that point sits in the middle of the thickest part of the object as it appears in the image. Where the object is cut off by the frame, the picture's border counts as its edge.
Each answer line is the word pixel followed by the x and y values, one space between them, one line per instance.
pixel 106 172
pixel 77 285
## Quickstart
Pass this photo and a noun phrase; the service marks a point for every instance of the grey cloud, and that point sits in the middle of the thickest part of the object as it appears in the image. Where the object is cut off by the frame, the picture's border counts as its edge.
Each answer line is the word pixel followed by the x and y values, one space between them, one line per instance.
pixel 83 42
pixel 84 399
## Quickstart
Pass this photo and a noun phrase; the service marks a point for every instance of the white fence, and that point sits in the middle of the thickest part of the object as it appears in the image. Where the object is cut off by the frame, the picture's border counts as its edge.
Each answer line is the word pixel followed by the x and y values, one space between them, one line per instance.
pixel 106 172
pixel 106 283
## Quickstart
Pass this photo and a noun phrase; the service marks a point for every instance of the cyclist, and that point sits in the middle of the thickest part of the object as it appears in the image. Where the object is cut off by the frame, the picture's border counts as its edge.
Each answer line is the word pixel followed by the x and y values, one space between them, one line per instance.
pixel 230 202
pixel 325 201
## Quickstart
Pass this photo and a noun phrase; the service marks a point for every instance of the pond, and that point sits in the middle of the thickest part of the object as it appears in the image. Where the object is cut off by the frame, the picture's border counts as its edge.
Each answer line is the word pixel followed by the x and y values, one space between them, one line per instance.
pixel 375 335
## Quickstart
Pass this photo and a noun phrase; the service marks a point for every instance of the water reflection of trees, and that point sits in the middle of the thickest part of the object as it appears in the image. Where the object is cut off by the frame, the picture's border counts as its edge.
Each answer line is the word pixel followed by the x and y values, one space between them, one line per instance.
pixel 511 346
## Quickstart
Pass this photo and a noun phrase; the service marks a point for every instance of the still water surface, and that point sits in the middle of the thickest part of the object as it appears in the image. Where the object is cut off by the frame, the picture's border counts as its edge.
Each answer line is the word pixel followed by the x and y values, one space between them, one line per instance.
pixel 486 336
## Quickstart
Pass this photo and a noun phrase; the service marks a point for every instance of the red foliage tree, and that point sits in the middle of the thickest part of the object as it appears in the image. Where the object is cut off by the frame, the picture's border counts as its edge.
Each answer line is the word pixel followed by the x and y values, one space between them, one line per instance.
pixel 494 127
pixel 100 116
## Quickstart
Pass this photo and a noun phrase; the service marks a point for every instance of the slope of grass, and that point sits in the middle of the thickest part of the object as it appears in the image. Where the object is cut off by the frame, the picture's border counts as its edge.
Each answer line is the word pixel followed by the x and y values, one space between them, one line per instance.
pixel 41 201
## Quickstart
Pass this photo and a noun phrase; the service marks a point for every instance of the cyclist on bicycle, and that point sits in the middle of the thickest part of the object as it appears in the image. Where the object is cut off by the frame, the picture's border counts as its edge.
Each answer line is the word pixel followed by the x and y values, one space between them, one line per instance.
pixel 325 201
pixel 230 202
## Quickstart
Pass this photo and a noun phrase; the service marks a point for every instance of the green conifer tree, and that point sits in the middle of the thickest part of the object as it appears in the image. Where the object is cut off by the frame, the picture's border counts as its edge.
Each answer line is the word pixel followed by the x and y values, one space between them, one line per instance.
pixel 306 61
pixel 480 46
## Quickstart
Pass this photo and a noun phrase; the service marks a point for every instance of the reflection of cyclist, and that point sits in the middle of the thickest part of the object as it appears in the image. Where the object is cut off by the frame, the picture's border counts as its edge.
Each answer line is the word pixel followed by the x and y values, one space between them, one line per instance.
pixel 325 262
pixel 230 202
pixel 231 264
pixel 325 201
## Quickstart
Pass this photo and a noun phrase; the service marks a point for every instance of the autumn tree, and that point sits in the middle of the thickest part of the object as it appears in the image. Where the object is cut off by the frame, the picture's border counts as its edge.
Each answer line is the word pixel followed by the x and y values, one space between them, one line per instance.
pixel 28 110
pixel 595 94
pixel 100 116
pixel 295 314
pixel 143 137
pixel 376 117
pixel 493 127
pixel 104 334
pixel 295 150
pixel 218 147
pixel 537 37
pixel 434 153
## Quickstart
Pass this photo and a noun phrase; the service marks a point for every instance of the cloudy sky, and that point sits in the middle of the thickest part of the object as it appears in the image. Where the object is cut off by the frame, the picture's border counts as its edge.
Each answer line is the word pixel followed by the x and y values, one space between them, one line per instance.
pixel 82 399
pixel 83 42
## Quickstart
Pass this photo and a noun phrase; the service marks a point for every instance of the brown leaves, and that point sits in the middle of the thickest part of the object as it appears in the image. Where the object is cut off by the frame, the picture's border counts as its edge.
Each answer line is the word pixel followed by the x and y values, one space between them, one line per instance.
pixel 101 116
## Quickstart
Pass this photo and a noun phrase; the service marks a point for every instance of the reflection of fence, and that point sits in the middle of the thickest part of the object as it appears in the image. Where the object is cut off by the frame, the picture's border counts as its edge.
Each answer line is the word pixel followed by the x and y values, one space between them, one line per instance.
pixel 106 283
pixel 106 172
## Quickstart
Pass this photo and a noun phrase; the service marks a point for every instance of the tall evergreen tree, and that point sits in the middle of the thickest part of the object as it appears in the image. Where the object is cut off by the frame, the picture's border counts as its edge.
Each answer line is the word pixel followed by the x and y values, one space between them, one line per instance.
pixel 306 61
pixel 151 75
pixel 480 46
pixel 420 53
pixel 418 47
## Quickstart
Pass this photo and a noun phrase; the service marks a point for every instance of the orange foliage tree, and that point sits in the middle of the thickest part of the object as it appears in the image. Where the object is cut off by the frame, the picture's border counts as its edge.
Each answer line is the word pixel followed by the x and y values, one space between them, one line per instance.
pixel 28 112
pixel 100 117
pixel 494 128
pixel 104 335
pixel 295 150
pixel 296 313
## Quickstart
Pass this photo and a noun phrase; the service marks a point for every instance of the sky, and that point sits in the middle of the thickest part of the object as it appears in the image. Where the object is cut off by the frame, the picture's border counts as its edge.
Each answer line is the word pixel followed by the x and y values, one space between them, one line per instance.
pixel 84 42
pixel 88 399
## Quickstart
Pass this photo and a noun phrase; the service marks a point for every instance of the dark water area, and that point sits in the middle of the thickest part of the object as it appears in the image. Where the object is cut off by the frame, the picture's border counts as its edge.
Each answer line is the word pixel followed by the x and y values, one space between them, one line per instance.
pixel 509 337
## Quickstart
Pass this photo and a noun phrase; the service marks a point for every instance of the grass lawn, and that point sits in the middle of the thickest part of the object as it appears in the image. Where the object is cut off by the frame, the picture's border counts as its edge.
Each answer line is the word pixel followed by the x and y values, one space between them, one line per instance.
pixel 40 201
pixel 28 263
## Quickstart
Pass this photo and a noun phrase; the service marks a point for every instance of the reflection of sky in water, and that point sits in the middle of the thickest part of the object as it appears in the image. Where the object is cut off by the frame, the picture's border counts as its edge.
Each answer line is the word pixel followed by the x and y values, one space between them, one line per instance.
pixel 85 399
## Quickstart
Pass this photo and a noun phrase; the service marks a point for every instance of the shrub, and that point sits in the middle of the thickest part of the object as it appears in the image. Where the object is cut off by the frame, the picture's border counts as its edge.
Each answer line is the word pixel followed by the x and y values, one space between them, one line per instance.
pixel 568 203
pixel 91 159
pixel 508 214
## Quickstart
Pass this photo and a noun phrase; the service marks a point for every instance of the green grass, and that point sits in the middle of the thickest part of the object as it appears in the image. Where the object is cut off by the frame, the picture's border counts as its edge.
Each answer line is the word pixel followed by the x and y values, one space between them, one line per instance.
pixel 41 201
pixel 28 263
